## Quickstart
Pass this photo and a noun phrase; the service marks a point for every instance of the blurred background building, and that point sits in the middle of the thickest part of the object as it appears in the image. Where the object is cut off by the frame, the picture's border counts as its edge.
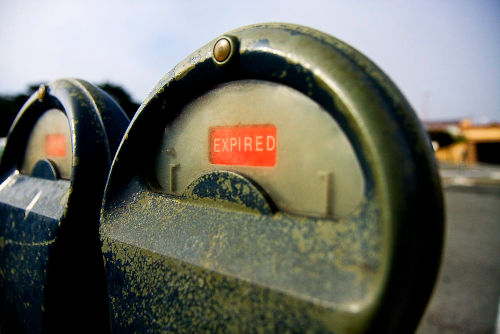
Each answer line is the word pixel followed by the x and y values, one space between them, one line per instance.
pixel 462 141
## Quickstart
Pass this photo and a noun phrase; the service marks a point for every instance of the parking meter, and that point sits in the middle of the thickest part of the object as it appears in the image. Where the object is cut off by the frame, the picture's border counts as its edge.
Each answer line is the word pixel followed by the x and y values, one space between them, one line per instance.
pixel 275 180
pixel 52 177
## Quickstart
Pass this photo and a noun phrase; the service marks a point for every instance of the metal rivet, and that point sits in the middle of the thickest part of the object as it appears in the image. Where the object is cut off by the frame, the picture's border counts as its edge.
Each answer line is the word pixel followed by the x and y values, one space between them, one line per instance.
pixel 42 92
pixel 222 50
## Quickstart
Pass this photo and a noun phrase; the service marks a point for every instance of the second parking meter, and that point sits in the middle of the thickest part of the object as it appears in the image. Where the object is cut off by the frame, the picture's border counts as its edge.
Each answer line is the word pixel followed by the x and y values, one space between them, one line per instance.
pixel 274 181
pixel 52 176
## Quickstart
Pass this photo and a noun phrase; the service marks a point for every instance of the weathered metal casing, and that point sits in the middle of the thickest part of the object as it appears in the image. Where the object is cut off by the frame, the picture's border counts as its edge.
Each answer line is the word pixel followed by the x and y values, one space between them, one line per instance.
pixel 205 262
pixel 52 275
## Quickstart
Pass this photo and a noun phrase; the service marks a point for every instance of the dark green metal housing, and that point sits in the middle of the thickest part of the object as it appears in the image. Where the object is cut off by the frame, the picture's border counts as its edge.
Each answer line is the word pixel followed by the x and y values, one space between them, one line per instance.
pixel 198 264
pixel 52 275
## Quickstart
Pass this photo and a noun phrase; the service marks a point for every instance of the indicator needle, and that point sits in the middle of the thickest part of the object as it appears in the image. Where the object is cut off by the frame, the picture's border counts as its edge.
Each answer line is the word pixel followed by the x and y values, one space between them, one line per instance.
pixel 328 194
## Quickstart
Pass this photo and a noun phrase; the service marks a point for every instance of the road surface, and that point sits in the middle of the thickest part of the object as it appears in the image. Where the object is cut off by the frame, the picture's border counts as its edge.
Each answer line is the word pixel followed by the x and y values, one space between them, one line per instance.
pixel 466 298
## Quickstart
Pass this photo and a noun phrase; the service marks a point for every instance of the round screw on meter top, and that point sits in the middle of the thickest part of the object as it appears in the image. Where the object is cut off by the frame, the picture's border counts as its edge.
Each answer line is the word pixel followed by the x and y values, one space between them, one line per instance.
pixel 274 180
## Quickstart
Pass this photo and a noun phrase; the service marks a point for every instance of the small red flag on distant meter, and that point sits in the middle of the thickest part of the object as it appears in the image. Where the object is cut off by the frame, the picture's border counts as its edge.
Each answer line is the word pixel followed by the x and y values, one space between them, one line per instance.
pixel 55 145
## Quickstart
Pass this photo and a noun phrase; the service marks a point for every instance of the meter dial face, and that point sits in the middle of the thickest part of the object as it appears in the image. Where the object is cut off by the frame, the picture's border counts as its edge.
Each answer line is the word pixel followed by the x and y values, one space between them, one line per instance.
pixel 50 139
pixel 272 134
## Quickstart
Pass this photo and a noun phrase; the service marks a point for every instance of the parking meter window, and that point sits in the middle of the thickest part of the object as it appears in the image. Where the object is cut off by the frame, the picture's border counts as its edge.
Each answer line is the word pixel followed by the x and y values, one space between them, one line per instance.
pixel 263 130
pixel 50 139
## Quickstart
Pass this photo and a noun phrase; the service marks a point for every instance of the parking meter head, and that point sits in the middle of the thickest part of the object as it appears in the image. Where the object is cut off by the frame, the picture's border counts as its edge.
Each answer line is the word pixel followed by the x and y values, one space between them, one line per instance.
pixel 274 179
pixel 52 177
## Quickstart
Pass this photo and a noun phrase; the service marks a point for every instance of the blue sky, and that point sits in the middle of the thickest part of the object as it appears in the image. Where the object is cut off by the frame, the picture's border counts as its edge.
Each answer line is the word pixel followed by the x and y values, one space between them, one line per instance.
pixel 444 55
